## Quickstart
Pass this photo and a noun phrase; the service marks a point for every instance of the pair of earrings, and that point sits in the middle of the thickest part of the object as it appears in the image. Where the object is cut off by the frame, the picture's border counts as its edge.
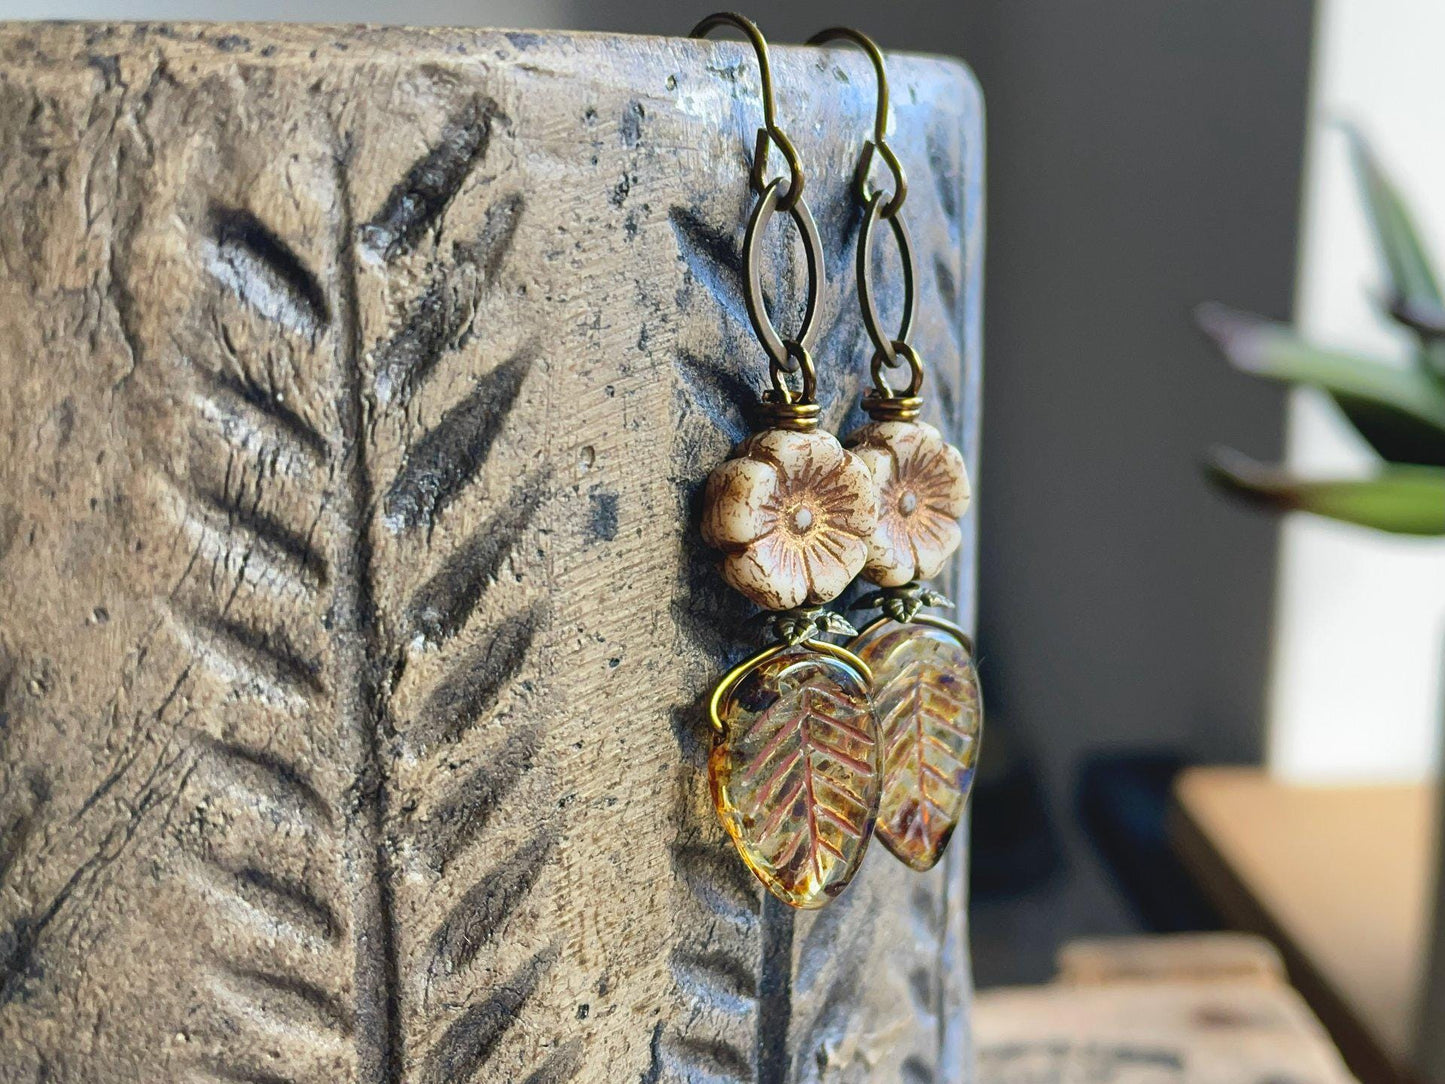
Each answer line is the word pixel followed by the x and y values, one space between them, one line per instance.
pixel 818 746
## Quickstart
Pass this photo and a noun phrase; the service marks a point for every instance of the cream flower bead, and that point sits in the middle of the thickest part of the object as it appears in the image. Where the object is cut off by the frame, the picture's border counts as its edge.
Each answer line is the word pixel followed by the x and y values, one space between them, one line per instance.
pixel 793 512
pixel 922 491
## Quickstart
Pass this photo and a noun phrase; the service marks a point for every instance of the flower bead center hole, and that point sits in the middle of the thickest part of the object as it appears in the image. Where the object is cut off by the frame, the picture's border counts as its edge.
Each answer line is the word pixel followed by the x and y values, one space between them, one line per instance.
pixel 908 503
pixel 802 518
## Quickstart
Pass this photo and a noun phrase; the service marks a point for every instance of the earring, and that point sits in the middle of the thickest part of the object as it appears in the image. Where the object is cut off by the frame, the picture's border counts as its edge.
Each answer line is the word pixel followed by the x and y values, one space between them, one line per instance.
pixel 925 684
pixel 795 767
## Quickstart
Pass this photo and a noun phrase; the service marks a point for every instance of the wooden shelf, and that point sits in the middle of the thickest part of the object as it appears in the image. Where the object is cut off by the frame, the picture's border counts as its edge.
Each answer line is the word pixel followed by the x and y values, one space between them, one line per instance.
pixel 1339 879
pixel 1198 1009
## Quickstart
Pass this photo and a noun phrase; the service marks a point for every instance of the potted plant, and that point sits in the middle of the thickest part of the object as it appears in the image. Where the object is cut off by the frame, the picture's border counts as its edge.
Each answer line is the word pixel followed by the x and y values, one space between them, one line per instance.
pixel 1398 410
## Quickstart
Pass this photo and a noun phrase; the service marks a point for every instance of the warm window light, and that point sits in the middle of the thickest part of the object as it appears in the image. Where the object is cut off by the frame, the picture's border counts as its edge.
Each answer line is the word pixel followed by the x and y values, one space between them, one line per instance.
pixel 1360 643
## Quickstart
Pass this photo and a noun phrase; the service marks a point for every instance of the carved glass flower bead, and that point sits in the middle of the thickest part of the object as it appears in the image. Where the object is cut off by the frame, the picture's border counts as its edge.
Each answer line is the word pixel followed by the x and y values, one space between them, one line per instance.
pixel 922 491
pixel 793 513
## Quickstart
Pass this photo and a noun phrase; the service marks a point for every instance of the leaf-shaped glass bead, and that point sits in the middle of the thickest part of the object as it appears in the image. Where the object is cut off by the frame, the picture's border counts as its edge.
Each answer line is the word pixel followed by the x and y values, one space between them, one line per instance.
pixel 927 696
pixel 795 772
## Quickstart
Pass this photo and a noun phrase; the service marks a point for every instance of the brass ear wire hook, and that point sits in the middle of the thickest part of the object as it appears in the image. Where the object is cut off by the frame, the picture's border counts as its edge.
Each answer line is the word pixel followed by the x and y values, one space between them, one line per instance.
pixel 878 145
pixel 787 407
pixel 770 132
pixel 888 350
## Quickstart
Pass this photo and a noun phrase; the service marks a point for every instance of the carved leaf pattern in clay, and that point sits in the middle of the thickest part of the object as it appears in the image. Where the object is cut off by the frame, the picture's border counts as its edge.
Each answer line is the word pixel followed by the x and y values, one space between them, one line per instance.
pixel 463 645
pixel 796 773
pixel 793 512
pixel 922 491
pixel 927 695
pixel 258 466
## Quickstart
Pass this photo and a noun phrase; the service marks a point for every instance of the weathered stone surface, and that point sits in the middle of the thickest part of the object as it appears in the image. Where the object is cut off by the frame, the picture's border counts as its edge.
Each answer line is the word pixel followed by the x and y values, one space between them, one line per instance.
pixel 357 391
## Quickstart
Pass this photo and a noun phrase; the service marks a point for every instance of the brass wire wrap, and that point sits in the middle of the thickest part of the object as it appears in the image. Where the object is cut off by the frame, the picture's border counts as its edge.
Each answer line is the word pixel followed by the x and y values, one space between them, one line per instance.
pixel 796 415
pixel 892 400
pixel 899 408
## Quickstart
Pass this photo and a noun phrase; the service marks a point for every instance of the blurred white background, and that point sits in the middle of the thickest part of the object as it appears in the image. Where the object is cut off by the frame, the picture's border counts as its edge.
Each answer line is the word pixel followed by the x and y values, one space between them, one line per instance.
pixel 1360 642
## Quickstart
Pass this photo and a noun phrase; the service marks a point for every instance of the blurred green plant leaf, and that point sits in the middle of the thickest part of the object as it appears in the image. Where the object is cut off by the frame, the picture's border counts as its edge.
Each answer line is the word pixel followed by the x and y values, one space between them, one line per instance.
pixel 1412 278
pixel 1400 411
pixel 1400 499
pixel 1425 318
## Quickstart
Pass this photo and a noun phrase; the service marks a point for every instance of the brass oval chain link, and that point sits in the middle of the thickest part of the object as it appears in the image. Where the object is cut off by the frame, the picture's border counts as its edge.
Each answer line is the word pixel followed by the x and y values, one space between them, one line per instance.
pixel 786 356
pixel 885 347
pixel 889 351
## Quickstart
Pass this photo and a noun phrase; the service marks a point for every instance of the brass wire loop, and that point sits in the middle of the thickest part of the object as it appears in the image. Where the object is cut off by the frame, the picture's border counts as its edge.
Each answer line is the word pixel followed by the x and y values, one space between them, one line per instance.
pixel 793 409
pixel 770 134
pixel 877 147
pixel 883 344
pixel 740 671
pixel 792 355
pixel 897 404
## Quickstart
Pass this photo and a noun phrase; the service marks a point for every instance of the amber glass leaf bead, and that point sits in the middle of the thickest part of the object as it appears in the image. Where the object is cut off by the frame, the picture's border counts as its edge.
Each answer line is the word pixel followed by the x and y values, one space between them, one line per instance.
pixel 926 692
pixel 796 770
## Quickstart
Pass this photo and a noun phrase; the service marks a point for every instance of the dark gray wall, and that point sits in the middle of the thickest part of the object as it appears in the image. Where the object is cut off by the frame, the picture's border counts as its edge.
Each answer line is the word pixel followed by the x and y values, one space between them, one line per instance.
pixel 1144 157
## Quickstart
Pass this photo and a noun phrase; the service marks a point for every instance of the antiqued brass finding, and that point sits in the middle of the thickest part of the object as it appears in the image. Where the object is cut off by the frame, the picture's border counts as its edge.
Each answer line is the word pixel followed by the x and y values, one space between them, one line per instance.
pixel 784 355
pixel 799 414
pixel 893 408
pixel 885 347
pixel 793 355
pixel 883 390
pixel 878 145
pixel 903 603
